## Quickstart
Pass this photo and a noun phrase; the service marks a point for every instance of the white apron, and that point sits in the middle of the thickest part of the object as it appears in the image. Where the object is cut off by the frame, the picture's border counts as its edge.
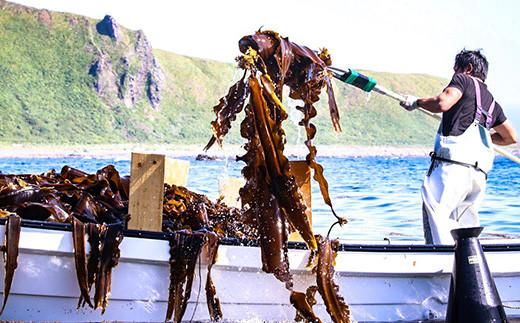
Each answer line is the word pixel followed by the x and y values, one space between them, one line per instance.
pixel 455 184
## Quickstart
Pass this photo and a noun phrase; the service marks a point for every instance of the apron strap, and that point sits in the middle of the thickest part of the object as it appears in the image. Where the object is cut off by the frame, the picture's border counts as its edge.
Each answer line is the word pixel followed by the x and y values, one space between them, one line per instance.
pixel 478 114
pixel 489 118
pixel 480 111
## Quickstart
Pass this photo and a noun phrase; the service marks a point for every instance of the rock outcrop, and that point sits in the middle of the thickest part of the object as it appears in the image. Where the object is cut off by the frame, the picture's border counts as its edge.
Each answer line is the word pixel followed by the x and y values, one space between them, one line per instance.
pixel 108 27
pixel 105 80
pixel 128 73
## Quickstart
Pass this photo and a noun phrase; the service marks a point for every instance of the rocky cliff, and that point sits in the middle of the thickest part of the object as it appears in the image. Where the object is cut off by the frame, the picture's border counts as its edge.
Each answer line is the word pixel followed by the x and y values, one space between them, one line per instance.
pixel 125 69
pixel 123 65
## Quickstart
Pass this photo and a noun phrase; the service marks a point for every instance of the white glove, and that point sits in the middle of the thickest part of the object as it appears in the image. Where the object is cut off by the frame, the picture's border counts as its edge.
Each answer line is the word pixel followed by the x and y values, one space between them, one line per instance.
pixel 409 103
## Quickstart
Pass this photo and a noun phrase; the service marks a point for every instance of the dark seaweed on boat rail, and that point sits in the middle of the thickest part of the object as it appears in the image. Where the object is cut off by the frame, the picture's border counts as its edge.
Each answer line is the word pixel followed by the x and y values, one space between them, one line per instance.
pixel 96 205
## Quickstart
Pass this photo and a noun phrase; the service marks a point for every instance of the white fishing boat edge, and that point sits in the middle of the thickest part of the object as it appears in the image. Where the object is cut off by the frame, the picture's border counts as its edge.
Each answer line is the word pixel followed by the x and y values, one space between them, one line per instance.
pixel 381 283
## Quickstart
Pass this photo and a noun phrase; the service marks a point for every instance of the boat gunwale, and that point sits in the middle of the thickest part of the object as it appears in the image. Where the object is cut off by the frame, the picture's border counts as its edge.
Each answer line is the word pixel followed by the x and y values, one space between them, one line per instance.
pixel 352 247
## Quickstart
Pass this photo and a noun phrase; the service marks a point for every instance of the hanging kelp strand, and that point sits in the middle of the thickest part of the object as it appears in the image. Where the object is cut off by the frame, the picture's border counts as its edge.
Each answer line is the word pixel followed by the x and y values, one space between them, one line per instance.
pixel 10 252
pixel 271 200
pixel 336 306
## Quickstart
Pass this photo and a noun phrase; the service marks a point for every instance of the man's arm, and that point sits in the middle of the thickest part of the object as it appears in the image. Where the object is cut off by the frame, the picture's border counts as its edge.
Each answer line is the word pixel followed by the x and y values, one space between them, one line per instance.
pixel 505 134
pixel 442 102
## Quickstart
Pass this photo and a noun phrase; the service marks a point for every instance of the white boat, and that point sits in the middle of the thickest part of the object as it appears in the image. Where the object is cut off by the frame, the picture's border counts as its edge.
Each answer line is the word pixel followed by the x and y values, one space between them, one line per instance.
pixel 380 282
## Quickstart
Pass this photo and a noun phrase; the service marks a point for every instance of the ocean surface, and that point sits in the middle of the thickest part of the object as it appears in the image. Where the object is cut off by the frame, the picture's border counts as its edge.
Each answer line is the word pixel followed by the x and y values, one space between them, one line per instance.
pixel 380 196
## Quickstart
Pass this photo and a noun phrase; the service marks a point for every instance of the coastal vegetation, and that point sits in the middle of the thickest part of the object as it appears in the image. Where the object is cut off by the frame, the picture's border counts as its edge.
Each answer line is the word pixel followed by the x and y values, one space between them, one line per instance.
pixel 64 80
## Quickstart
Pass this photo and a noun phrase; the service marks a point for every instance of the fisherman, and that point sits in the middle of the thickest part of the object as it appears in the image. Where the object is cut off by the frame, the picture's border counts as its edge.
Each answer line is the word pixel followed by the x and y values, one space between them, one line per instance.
pixel 463 154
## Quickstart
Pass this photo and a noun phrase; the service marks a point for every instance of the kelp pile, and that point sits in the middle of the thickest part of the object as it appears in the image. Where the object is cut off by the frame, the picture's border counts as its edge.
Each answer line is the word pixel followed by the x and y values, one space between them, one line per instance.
pixel 96 205
pixel 271 199
pixel 184 209
pixel 58 197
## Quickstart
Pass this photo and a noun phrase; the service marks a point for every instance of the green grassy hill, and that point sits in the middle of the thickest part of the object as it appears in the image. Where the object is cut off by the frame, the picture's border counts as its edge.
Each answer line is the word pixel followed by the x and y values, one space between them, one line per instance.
pixel 47 94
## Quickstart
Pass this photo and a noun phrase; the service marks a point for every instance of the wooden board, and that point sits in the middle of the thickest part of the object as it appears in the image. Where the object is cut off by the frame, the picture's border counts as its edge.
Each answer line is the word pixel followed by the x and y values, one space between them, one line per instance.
pixel 176 171
pixel 146 192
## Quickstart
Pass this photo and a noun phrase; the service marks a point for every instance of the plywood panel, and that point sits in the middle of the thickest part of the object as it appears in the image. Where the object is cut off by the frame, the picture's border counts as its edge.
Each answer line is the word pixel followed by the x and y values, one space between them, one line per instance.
pixel 176 171
pixel 146 192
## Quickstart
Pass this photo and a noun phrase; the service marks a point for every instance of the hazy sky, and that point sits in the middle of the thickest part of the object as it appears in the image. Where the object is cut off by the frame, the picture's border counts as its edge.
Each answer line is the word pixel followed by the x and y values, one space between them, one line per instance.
pixel 395 36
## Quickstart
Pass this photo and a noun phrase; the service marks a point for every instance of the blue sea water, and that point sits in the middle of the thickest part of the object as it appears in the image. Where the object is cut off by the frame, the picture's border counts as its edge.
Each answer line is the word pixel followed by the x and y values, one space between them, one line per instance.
pixel 380 196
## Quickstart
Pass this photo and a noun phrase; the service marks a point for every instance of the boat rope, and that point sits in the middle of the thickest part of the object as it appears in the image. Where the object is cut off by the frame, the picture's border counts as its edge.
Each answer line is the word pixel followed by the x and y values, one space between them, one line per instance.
pixel 512 307
pixel 198 293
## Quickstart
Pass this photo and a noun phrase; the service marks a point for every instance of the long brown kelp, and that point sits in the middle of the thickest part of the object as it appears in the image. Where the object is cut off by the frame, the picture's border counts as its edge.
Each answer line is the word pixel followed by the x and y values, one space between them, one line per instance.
pixel 111 236
pixel 96 269
pixel 329 290
pixel 272 62
pixel 215 311
pixel 10 252
pixel 196 223
pixel 303 303
pixel 80 259
pixel 270 197
pixel 280 62
pixel 185 248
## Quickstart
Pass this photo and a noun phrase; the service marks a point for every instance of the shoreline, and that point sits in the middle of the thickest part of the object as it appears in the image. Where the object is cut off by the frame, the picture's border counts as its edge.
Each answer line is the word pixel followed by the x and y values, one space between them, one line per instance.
pixel 123 151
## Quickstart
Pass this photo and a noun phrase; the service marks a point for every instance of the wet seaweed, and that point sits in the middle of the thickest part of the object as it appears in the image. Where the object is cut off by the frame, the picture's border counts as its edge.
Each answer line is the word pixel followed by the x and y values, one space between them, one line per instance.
pixel 10 253
pixel 270 196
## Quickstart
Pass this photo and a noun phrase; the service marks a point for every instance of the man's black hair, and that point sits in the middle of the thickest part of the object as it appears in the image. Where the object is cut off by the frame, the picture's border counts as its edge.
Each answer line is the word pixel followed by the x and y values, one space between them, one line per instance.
pixel 477 60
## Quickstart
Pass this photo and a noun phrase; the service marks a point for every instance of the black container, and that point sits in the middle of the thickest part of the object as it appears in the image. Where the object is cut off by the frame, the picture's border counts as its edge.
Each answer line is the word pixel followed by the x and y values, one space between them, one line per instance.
pixel 473 295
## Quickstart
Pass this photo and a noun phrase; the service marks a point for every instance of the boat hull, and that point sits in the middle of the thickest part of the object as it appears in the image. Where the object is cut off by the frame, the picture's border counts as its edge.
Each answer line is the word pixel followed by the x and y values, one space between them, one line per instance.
pixel 380 283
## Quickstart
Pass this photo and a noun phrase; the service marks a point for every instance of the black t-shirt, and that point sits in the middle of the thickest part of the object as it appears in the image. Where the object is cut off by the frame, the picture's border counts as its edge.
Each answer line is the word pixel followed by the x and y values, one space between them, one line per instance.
pixel 457 119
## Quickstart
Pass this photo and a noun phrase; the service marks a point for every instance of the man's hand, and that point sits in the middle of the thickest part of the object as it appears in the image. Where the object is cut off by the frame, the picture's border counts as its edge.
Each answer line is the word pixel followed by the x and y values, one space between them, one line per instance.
pixel 409 103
